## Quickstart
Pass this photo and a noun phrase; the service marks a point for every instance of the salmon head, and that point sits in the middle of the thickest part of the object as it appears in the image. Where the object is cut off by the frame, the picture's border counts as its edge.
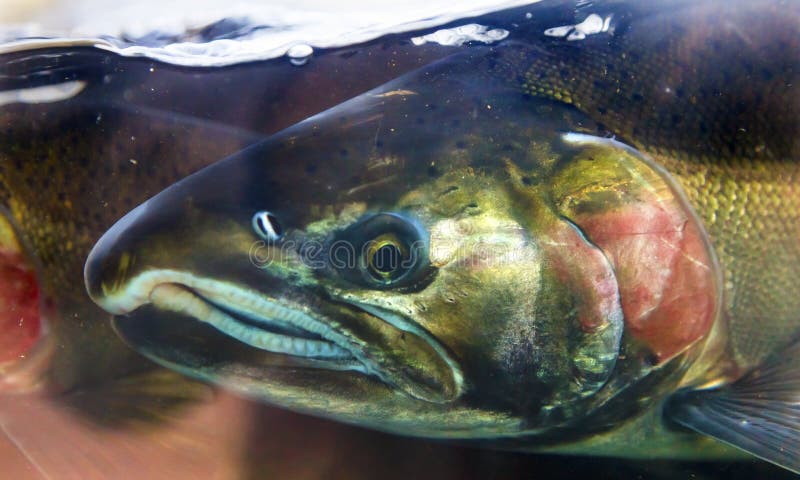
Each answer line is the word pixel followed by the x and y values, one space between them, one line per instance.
pixel 440 257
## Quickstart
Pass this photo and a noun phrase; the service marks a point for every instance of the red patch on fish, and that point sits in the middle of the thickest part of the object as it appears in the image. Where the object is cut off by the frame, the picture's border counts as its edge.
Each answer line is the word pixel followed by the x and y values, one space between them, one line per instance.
pixel 666 275
pixel 20 320
pixel 588 271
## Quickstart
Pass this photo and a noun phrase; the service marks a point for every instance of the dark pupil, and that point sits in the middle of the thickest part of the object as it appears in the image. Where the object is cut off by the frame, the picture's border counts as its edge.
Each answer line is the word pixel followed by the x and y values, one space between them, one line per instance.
pixel 276 227
pixel 387 259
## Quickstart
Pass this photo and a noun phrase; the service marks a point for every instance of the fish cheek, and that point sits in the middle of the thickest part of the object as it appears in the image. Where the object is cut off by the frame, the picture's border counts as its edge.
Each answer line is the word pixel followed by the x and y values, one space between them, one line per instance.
pixel 489 313
pixel 534 328
pixel 535 350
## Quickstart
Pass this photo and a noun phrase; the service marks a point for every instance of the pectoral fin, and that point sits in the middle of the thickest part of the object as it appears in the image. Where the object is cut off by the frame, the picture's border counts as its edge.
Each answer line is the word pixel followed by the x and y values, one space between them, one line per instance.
pixel 759 413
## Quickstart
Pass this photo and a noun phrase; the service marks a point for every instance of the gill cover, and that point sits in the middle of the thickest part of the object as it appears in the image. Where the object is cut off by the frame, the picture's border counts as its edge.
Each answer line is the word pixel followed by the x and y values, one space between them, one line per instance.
pixel 455 259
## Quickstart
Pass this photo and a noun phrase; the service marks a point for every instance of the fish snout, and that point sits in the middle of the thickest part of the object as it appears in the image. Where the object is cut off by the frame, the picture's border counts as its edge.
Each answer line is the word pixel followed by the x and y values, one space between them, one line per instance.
pixel 109 264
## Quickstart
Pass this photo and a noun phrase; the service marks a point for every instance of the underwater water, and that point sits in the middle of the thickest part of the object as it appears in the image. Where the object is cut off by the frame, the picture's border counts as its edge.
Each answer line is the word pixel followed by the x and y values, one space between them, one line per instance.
pixel 113 108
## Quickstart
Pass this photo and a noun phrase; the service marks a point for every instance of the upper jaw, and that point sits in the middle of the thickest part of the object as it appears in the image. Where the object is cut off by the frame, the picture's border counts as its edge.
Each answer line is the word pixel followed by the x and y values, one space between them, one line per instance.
pixel 360 342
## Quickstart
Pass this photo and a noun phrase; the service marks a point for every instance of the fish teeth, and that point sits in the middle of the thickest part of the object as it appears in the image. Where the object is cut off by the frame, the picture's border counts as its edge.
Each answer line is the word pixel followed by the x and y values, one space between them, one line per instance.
pixel 178 299
pixel 266 312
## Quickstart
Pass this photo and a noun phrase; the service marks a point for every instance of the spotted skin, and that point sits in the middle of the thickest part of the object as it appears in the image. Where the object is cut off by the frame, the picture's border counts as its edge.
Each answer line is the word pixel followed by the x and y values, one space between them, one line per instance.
pixel 716 103
pixel 65 176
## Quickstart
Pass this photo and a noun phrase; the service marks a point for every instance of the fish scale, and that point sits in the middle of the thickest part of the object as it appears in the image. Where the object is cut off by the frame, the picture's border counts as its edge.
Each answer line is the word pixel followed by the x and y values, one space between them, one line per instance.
pixel 736 157
pixel 754 224
pixel 64 183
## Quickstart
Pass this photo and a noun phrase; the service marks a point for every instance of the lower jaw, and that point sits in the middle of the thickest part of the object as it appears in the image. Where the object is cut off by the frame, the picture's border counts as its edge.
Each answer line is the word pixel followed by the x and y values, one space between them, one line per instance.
pixel 325 389
pixel 200 351
pixel 204 350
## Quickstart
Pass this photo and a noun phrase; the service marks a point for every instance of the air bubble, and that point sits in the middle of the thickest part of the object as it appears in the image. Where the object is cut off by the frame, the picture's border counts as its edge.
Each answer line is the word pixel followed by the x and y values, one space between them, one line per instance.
pixel 299 54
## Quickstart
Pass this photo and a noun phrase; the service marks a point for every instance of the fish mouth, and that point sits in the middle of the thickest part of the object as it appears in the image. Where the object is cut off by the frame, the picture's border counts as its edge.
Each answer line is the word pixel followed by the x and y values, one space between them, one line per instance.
pixel 286 332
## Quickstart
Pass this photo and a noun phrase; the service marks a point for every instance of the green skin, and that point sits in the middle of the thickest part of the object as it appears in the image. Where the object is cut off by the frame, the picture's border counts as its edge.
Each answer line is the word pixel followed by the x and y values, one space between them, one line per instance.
pixel 514 324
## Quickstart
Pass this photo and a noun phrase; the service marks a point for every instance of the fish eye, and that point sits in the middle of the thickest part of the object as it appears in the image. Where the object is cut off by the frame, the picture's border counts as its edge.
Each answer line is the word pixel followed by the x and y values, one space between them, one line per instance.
pixel 391 251
pixel 267 226
pixel 386 258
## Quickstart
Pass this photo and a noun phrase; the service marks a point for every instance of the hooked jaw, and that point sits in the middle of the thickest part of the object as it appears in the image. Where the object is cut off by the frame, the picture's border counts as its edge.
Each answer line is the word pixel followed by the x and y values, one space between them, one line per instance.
pixel 259 320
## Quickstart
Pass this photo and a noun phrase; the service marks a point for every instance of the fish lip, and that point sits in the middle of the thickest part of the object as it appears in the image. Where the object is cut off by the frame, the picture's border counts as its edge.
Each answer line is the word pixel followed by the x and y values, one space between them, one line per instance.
pixel 148 288
pixel 336 347
pixel 220 300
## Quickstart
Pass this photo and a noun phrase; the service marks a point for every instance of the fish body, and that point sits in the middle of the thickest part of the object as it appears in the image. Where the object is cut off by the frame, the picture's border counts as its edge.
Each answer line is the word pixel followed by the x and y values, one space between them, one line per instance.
pixel 482 233
pixel 457 254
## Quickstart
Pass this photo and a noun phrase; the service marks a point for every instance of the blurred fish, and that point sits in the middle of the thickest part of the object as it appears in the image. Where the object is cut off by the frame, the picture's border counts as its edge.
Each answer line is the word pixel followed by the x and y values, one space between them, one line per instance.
pixel 62 183
pixel 457 254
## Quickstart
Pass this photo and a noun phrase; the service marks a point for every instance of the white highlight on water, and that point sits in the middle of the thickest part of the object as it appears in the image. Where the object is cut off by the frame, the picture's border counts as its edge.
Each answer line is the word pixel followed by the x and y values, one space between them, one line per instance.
pixel 455 37
pixel 299 54
pixel 593 24
pixel 43 94
pixel 272 27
